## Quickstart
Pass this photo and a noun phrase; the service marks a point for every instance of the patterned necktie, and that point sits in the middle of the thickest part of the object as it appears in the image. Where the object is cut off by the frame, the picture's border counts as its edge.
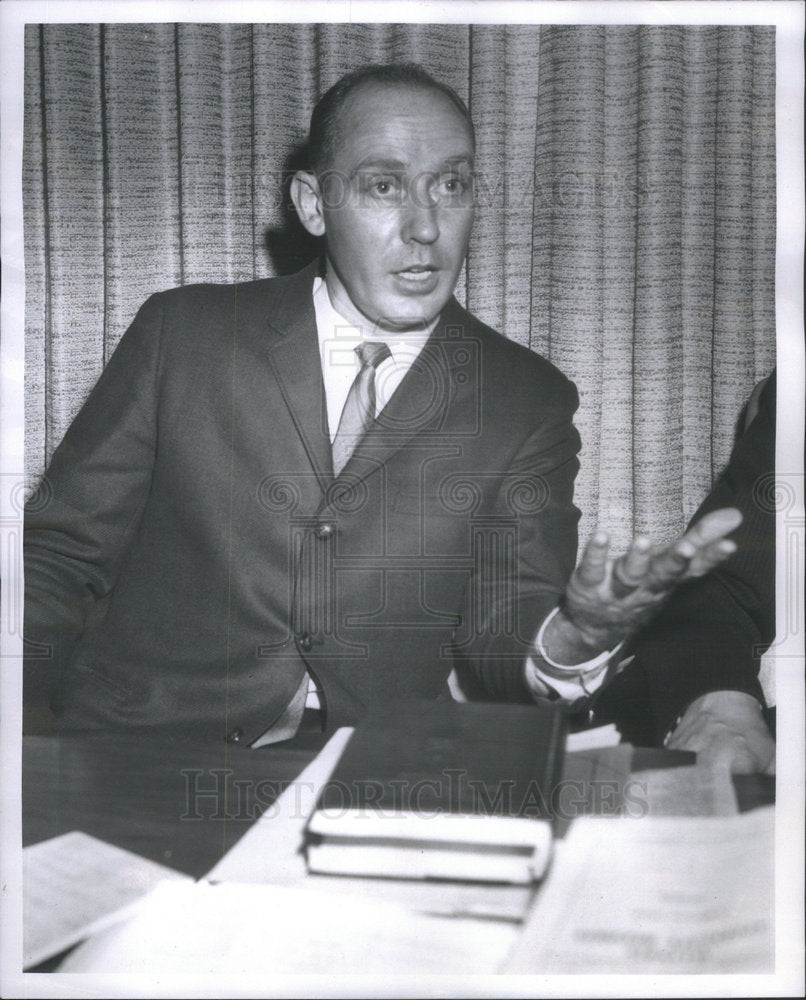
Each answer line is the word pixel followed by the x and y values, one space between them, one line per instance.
pixel 359 408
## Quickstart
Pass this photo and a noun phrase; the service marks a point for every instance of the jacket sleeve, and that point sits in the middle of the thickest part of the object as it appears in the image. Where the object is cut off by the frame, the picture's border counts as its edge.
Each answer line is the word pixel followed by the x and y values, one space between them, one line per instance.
pixel 80 521
pixel 524 556
pixel 712 632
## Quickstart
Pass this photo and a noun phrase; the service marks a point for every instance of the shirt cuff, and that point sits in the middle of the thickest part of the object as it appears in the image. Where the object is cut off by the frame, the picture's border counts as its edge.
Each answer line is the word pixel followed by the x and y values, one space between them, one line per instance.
pixel 568 683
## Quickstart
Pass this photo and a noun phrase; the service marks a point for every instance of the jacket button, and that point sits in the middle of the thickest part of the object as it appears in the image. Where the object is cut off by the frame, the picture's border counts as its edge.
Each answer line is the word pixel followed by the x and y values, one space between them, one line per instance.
pixel 325 531
pixel 235 736
pixel 305 642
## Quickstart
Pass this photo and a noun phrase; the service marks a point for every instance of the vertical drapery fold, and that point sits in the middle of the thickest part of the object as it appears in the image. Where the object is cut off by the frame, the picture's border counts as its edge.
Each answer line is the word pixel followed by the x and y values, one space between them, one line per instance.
pixel 622 195
pixel 697 218
pixel 625 221
pixel 72 201
pixel 733 332
pixel 657 358
pixel 762 194
pixel 35 174
pixel 144 226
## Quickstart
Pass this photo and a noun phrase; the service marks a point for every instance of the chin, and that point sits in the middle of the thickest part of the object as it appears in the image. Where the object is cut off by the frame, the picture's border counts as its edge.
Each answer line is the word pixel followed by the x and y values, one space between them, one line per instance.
pixel 410 314
pixel 399 324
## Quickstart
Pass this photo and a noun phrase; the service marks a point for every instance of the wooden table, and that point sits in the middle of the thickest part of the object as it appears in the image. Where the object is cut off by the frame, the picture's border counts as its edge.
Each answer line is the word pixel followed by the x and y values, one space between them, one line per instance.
pixel 187 805
pixel 180 803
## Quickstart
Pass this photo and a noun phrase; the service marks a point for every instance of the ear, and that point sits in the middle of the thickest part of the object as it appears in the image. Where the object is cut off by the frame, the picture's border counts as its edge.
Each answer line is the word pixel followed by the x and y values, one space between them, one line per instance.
pixel 307 200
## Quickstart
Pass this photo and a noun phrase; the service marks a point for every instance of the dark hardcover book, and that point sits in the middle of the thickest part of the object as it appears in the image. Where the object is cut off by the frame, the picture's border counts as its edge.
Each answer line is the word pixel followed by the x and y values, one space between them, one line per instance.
pixel 443 789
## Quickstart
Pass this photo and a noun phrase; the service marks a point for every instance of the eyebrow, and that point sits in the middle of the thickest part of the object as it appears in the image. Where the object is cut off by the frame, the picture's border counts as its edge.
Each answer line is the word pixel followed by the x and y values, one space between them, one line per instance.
pixel 379 163
pixel 399 166
pixel 457 160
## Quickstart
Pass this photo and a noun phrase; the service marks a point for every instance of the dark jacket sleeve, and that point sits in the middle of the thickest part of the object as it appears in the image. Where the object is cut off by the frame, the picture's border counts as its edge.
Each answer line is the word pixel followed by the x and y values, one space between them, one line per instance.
pixel 524 554
pixel 81 519
pixel 712 632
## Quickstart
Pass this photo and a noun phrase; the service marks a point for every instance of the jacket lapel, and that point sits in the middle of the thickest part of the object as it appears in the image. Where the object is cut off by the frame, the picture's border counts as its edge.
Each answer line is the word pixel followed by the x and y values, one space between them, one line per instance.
pixel 294 358
pixel 425 402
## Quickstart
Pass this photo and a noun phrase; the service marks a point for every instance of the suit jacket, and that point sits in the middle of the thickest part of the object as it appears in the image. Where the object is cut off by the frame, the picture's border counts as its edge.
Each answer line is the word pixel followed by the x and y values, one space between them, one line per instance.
pixel 712 632
pixel 190 552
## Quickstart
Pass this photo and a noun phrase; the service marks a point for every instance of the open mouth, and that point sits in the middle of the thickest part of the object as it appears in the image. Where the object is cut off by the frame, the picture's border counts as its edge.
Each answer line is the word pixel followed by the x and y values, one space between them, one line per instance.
pixel 418 274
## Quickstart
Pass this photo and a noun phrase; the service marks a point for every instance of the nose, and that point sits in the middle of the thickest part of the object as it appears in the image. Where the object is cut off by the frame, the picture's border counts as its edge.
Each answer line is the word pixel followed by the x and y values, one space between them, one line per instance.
pixel 420 223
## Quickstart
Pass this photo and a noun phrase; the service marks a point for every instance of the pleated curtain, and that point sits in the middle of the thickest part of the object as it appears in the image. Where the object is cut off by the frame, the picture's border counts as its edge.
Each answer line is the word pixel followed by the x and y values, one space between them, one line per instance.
pixel 625 224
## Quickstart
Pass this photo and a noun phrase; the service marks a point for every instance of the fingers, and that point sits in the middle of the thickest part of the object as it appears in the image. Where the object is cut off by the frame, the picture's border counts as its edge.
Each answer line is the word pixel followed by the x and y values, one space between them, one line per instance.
pixel 670 565
pixel 630 569
pixel 711 557
pixel 713 527
pixel 592 567
pixel 684 737
pixel 700 550
pixel 726 728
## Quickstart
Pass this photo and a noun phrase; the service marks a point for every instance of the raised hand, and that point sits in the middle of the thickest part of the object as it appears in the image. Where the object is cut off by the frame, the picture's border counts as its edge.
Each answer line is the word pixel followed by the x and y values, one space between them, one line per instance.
pixel 607 599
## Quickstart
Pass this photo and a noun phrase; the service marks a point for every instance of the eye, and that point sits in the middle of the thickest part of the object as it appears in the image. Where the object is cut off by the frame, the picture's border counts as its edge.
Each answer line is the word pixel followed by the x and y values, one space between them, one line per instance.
pixel 383 187
pixel 453 186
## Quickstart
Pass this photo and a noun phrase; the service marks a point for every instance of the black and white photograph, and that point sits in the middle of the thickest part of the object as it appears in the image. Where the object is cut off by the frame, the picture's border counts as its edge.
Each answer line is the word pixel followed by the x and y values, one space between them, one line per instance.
pixel 402 499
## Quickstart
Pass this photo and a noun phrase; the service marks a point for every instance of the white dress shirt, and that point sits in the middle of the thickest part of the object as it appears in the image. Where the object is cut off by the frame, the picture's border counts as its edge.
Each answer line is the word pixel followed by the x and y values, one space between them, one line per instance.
pixel 337 342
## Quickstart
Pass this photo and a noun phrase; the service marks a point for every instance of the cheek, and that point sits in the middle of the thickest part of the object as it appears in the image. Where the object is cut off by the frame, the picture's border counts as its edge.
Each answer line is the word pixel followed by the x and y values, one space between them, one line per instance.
pixel 463 224
pixel 455 227
pixel 360 238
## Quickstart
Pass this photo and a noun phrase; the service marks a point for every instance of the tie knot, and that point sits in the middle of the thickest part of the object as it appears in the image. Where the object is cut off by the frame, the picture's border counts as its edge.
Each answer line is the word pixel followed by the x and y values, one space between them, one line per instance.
pixel 371 352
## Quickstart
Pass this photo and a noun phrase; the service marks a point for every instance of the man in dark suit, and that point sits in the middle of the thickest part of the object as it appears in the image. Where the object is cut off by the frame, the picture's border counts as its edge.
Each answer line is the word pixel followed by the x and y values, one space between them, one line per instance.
pixel 692 681
pixel 329 489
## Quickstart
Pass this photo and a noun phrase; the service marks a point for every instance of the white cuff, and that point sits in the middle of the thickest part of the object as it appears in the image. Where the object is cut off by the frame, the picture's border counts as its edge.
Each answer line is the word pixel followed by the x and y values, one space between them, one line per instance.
pixel 576 686
pixel 588 667
pixel 580 680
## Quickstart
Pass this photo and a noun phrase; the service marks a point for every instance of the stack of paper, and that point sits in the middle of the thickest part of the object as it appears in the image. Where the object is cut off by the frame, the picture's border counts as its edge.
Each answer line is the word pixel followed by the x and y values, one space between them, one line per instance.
pixel 656 895
pixel 74 885
pixel 237 929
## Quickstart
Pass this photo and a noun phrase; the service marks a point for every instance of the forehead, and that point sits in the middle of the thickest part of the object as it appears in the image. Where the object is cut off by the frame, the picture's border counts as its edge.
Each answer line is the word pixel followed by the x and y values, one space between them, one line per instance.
pixel 413 124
